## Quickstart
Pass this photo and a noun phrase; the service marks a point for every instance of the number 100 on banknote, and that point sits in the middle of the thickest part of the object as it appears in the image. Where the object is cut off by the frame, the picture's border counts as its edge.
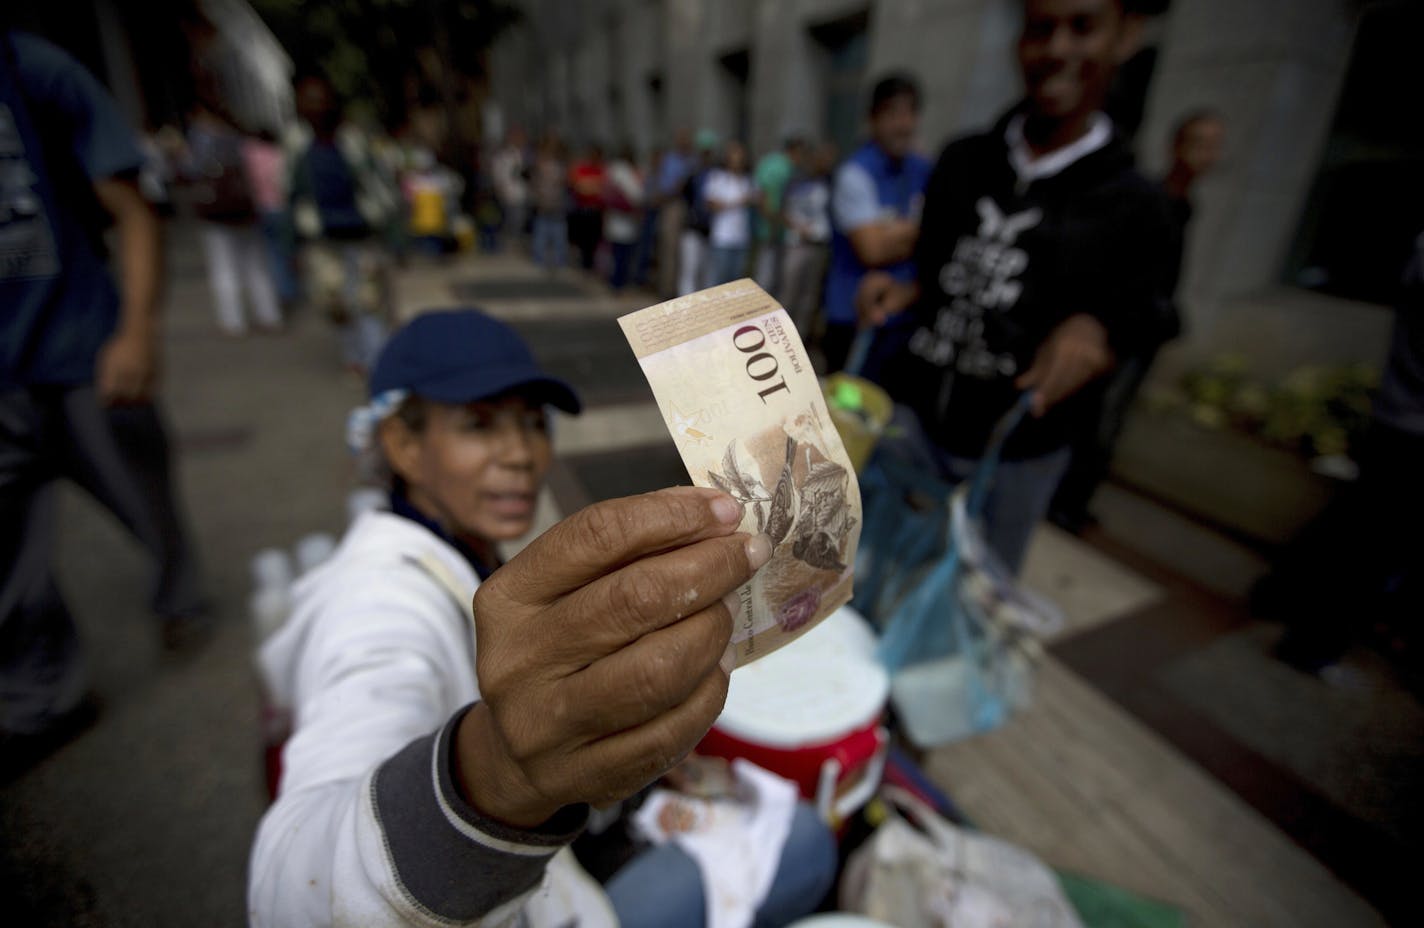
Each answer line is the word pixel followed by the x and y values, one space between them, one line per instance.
pixel 736 389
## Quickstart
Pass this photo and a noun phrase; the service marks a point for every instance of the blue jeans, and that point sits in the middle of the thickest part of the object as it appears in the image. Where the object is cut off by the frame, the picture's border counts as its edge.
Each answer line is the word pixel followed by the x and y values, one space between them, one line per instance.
pixel 1018 497
pixel 726 264
pixel 550 241
pixel 277 239
pixel 663 886
pixel 647 248
pixel 622 264
pixel 432 246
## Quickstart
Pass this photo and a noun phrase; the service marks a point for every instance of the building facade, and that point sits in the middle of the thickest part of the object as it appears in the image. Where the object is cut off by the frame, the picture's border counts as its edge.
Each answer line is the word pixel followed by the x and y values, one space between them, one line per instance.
pixel 637 70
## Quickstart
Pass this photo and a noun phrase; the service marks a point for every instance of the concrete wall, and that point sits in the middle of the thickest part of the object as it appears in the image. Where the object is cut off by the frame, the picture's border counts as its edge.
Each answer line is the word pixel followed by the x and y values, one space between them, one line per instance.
pixel 960 49
pixel 558 65
pixel 1273 69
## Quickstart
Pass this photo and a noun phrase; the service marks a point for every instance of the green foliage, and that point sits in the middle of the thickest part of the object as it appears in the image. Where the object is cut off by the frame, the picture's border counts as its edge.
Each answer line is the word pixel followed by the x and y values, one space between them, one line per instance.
pixel 1314 410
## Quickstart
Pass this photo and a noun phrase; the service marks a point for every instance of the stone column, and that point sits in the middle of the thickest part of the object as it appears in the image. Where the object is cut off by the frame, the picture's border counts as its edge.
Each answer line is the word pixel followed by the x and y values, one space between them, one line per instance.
pixel 783 76
pixel 686 70
pixel 961 51
pixel 1273 69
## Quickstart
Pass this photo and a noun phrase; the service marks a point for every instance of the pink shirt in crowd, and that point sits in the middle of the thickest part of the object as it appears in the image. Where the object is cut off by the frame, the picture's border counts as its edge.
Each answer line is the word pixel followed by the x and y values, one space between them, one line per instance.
pixel 266 174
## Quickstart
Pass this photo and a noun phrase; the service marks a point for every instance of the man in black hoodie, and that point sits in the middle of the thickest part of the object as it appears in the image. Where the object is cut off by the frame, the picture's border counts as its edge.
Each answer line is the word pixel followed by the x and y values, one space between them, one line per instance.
pixel 1041 256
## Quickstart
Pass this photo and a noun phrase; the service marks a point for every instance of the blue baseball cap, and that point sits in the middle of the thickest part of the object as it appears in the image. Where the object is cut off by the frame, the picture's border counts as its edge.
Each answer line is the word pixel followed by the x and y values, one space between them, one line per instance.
pixel 461 356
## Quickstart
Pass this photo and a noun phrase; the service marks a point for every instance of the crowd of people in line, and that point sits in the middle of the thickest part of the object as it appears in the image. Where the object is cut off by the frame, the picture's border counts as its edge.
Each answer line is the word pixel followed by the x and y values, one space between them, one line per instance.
pixel 691 215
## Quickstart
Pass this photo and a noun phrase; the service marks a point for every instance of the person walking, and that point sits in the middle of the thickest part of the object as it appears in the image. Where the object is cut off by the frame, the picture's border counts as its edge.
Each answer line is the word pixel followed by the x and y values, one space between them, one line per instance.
pixel 79 362
pixel 223 198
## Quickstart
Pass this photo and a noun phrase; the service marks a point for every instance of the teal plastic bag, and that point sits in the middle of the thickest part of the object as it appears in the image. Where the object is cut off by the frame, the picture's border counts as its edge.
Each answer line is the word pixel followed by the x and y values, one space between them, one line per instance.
pixel 956 628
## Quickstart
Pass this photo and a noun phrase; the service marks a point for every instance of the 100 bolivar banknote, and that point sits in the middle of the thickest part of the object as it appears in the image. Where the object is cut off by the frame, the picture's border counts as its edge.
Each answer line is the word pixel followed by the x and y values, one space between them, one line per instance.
pixel 736 390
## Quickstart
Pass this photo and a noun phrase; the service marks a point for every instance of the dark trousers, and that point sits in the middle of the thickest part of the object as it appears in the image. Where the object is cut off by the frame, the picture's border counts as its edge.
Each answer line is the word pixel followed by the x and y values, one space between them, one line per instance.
pixel 120 457
pixel 1093 450
pixel 585 231
pixel 647 248
pixel 622 264
pixel 1361 562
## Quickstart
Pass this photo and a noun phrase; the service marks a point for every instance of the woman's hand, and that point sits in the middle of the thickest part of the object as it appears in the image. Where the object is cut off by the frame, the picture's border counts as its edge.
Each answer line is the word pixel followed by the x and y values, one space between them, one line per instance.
pixel 602 652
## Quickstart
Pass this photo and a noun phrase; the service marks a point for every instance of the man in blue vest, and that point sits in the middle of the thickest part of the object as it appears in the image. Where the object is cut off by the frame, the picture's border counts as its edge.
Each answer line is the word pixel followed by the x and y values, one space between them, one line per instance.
pixel 875 209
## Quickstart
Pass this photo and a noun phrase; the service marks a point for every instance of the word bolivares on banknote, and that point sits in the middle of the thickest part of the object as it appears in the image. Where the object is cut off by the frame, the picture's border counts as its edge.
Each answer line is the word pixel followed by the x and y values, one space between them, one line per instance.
pixel 736 390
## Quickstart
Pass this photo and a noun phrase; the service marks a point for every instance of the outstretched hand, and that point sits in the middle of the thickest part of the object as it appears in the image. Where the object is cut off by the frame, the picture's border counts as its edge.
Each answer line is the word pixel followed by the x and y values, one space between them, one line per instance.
pixel 603 652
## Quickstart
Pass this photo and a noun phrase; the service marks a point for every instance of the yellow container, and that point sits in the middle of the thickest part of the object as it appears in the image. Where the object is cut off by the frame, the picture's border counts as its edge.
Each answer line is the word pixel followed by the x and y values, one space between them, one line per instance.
pixel 860 411
pixel 464 232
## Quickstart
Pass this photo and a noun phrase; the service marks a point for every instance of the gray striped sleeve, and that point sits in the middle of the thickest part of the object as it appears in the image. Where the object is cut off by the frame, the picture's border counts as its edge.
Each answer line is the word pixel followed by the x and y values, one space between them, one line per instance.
pixel 450 860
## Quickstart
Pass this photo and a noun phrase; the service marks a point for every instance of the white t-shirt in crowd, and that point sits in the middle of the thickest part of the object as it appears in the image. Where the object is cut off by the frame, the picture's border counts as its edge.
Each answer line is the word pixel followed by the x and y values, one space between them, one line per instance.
pixel 731 228
pixel 622 227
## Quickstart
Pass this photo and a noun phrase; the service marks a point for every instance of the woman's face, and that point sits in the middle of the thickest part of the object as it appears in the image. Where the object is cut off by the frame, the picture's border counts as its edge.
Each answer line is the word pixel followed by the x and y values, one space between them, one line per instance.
pixel 477 467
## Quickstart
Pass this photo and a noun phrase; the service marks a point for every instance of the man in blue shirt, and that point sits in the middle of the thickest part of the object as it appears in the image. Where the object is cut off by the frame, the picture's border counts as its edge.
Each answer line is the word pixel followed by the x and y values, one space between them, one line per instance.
pixel 875 208
pixel 78 367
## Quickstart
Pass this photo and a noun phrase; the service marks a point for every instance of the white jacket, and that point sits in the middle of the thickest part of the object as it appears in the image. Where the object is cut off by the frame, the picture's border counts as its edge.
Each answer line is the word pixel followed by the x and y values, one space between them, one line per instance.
pixel 376 665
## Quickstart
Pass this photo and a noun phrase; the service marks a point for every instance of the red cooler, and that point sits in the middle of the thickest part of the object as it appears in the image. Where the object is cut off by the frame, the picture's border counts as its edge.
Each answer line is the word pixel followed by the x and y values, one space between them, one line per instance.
pixel 812 712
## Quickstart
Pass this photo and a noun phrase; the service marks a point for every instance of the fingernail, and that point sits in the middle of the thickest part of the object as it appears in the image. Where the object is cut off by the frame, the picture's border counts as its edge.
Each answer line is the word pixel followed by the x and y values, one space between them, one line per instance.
pixel 728 663
pixel 727 510
pixel 758 550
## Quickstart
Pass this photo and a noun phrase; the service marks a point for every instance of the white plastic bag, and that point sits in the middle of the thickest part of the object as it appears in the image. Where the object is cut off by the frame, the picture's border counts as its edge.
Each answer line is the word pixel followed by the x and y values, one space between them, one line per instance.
pixel 919 871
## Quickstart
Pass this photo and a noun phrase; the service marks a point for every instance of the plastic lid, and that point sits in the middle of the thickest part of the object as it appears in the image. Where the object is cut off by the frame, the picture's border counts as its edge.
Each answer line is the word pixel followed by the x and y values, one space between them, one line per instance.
pixel 820 687
pixel 839 920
